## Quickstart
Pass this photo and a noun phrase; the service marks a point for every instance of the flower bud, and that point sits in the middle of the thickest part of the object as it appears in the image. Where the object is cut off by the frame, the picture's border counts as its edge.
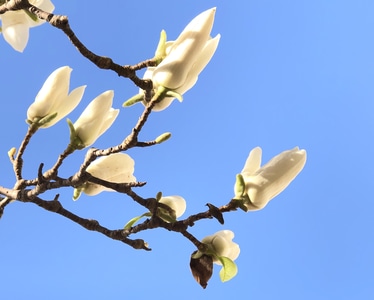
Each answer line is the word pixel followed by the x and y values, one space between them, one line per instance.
pixel 54 99
pixel 96 118
pixel 264 183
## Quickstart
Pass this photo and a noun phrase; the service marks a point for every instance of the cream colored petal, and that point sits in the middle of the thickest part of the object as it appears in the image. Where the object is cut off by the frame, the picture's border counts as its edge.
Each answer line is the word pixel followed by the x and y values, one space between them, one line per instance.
pixel 52 94
pixel 15 29
pixel 173 70
pixel 69 104
pixel 109 120
pixel 97 109
pixel 253 162
pixel 106 167
pixel 92 189
pixel 175 202
pixel 88 126
pixel 232 249
pixel 222 244
pixel 165 103
pixel 118 168
pixel 274 177
pixel 202 60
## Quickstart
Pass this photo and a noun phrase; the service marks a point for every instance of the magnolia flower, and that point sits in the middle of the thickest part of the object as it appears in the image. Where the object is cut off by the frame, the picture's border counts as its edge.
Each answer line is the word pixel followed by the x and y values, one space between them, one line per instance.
pixel 54 98
pixel 185 58
pixel 96 118
pixel 221 244
pixel 264 183
pixel 16 24
pixel 177 203
pixel 117 168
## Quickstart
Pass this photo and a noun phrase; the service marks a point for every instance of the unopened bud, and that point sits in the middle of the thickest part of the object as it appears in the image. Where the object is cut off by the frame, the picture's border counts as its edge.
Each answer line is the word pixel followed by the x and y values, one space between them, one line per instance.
pixel 163 137
pixel 11 153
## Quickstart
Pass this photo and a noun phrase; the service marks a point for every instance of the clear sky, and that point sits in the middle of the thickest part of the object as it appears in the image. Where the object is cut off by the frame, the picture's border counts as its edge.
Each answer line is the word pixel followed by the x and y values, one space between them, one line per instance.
pixel 286 73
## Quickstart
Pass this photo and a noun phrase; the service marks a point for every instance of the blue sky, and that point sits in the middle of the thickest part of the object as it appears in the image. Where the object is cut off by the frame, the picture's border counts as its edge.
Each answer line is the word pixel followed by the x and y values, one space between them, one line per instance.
pixel 286 73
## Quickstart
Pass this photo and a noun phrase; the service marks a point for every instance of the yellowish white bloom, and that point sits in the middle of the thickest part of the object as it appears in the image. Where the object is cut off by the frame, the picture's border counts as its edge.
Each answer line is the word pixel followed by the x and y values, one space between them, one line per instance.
pixel 185 58
pixel 177 203
pixel 264 183
pixel 54 98
pixel 117 168
pixel 15 24
pixel 96 118
pixel 221 244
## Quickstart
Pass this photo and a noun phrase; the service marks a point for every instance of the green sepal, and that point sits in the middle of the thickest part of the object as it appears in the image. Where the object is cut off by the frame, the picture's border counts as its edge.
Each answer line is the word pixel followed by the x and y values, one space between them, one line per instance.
pixel 39 122
pixel 159 196
pixel 31 15
pixel 239 188
pixel 47 119
pixel 229 268
pixel 77 193
pixel 174 94
pixel 75 141
pixel 163 137
pixel 160 53
pixel 133 100
pixel 130 223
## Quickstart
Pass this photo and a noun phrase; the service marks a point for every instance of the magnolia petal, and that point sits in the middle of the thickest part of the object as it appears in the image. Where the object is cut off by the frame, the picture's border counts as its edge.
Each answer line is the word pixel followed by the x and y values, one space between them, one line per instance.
pixel 92 189
pixel 70 103
pixel 173 70
pixel 16 24
pixel 17 36
pixel 96 118
pixel 106 167
pixel 274 177
pixel 109 120
pixel 204 58
pixel 253 162
pixel 54 89
pixel 165 103
pixel 177 203
pixel 222 245
pixel 96 109
pixel 118 168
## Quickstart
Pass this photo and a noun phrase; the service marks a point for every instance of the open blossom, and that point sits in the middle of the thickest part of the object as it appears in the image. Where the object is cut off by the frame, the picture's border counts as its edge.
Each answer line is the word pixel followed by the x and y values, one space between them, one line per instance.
pixel 16 24
pixel 177 203
pixel 221 244
pixel 118 168
pixel 54 97
pixel 185 58
pixel 96 118
pixel 264 183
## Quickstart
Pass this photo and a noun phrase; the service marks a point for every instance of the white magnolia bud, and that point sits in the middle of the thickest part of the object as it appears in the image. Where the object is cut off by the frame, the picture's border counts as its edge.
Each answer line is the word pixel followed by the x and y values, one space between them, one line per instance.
pixel 15 24
pixel 96 118
pixel 54 97
pixel 264 183
pixel 185 58
pixel 221 244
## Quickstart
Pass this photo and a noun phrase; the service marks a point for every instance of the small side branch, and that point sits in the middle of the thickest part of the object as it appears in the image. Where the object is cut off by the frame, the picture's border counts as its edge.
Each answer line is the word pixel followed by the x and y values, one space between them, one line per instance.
pixel 89 224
